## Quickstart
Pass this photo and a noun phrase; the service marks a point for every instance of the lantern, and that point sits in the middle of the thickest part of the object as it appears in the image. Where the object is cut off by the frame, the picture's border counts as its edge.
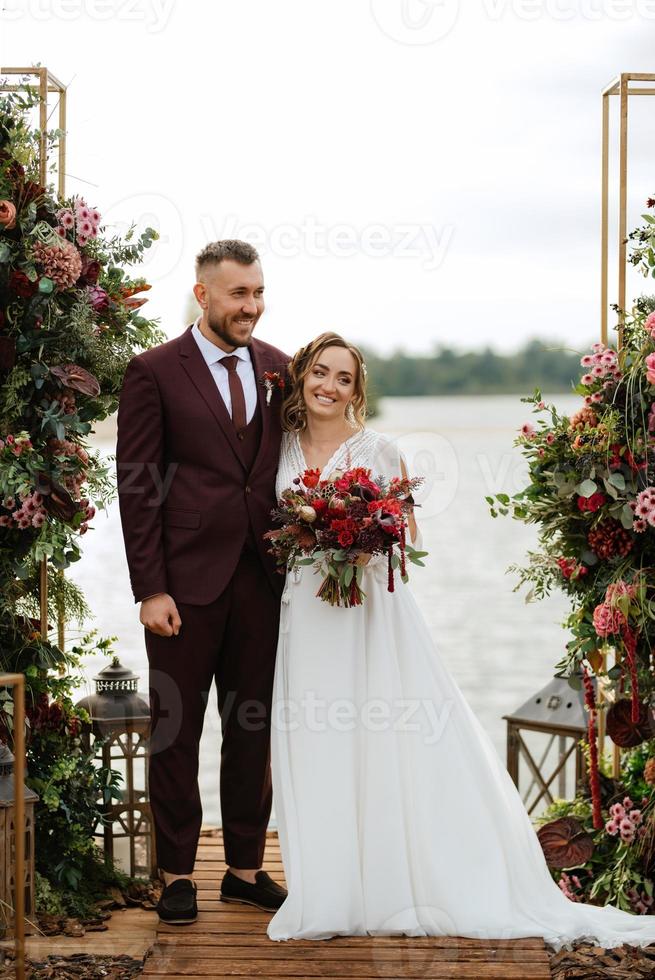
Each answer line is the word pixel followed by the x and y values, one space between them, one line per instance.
pixel 8 847
pixel 544 734
pixel 120 725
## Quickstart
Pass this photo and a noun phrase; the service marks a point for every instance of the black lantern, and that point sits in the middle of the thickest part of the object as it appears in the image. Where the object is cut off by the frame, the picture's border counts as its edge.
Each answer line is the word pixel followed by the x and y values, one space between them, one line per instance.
pixel 8 846
pixel 120 724
pixel 544 734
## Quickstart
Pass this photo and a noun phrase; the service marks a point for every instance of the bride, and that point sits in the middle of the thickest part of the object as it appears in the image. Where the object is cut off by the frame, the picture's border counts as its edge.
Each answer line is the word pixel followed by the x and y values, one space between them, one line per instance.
pixel 395 814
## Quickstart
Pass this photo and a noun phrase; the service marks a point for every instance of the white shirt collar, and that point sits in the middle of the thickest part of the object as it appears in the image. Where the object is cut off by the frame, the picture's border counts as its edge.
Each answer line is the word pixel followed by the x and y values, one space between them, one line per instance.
pixel 211 352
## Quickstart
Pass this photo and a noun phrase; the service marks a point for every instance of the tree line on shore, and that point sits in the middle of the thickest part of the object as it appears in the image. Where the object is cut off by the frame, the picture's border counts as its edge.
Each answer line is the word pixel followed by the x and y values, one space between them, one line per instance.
pixel 549 365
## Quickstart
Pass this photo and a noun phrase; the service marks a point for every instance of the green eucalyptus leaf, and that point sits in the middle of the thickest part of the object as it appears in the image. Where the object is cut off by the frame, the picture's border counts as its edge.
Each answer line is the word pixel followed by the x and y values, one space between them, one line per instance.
pixel 586 488
pixel 617 480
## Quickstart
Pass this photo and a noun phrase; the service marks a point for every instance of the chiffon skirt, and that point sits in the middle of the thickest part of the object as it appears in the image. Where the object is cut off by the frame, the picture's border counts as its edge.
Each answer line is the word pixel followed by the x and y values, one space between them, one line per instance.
pixel 395 813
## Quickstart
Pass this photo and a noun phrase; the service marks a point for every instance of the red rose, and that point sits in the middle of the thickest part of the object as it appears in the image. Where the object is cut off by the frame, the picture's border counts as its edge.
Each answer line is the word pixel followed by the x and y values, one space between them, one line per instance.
pixel 311 478
pixel 320 505
pixel 345 539
pixel 593 503
pixel 21 285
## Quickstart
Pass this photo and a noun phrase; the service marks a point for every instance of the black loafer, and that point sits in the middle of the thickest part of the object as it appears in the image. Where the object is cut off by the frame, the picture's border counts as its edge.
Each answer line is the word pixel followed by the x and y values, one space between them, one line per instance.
pixel 266 894
pixel 177 905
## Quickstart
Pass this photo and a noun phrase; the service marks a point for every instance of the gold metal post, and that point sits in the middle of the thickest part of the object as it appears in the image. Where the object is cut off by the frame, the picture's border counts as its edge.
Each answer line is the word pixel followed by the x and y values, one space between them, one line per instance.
pixel 604 219
pixel 620 86
pixel 17 681
pixel 623 87
pixel 47 83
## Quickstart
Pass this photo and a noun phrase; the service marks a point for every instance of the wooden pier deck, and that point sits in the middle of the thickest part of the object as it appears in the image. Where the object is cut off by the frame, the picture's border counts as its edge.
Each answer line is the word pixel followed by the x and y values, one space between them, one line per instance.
pixel 230 941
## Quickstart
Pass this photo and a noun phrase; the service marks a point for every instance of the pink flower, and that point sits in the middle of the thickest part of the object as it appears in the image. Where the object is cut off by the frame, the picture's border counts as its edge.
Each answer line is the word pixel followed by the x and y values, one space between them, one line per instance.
pixel 98 297
pixel 612 827
pixel 587 379
pixel 39 519
pixel 650 369
pixel 527 429
pixel 650 324
pixel 607 620
pixel 84 228
pixel 95 216
pixel 587 360
pixel 550 438
pixel 7 215
pixel 639 525
pixel 613 592
pixel 66 219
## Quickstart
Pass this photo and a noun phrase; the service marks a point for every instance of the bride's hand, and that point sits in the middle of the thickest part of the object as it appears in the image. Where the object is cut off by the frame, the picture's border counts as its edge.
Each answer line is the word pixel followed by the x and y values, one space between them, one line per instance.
pixel 363 559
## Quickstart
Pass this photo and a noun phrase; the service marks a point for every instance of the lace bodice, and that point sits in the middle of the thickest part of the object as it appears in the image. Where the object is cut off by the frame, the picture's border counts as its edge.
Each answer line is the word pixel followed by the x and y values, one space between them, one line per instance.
pixel 365 448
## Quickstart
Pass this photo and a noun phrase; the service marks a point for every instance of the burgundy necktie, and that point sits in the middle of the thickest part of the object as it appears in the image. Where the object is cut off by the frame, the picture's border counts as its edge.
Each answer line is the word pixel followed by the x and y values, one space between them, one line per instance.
pixel 236 394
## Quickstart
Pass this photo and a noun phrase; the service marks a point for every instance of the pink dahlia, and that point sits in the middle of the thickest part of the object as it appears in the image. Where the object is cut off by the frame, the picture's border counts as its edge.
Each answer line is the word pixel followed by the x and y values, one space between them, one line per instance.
pixel 61 263
pixel 650 324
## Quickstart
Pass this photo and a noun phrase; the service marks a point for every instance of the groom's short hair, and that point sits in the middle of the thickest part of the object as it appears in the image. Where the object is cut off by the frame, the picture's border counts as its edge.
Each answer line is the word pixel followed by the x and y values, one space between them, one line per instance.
pixel 226 248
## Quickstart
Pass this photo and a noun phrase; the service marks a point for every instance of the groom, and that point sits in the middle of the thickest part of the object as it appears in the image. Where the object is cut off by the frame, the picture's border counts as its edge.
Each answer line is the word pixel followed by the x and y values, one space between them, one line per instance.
pixel 197 453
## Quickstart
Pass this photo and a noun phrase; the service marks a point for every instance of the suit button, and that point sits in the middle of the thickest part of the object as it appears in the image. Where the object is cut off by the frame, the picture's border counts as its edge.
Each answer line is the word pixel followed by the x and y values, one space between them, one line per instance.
pixel 247 489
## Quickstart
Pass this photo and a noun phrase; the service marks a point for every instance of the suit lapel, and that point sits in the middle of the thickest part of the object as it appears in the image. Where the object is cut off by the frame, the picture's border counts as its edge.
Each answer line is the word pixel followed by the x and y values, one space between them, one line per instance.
pixel 260 363
pixel 196 367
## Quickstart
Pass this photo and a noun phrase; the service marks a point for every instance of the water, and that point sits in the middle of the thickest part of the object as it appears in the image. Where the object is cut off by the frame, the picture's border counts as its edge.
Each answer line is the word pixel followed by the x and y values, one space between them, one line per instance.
pixel 499 649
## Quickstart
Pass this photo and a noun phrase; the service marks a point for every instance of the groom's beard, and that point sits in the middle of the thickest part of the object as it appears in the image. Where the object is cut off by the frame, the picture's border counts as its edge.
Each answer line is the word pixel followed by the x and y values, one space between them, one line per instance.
pixel 221 328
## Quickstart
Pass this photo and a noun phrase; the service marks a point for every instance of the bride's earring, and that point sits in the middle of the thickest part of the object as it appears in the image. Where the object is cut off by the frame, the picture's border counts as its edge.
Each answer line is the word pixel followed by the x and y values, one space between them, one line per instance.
pixel 350 415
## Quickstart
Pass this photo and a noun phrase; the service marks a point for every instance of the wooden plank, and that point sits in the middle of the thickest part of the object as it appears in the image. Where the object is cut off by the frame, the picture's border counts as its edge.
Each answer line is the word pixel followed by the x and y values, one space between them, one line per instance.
pixel 229 940
pixel 363 952
pixel 216 939
pixel 295 968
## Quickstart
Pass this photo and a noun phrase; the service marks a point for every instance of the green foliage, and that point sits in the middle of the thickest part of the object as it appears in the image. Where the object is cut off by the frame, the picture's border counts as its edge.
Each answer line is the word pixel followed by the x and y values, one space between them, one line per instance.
pixel 70 321
pixel 619 872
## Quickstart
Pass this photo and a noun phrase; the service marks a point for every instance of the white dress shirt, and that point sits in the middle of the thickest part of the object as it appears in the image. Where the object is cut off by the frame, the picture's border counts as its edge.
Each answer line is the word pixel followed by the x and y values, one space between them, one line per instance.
pixel 213 355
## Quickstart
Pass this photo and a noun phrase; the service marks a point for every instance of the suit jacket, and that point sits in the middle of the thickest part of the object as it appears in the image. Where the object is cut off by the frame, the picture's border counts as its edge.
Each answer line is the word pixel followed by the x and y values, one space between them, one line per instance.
pixel 186 498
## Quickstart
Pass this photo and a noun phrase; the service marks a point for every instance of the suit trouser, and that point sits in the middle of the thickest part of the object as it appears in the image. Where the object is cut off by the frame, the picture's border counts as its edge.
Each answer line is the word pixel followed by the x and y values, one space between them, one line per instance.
pixel 232 640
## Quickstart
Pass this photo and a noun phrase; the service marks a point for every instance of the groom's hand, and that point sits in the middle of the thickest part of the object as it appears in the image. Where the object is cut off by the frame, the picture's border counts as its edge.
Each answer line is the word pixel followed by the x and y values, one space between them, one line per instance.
pixel 159 615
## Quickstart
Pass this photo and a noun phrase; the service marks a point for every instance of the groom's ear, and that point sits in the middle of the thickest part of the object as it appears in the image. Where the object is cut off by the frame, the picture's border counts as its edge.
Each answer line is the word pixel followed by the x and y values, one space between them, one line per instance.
pixel 200 292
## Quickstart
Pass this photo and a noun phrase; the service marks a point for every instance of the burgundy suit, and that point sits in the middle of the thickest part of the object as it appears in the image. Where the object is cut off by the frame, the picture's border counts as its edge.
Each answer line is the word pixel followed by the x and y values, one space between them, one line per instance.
pixel 195 501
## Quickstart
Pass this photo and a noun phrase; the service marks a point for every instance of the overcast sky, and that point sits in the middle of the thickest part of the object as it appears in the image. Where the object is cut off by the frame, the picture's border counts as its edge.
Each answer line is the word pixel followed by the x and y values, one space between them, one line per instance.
pixel 415 172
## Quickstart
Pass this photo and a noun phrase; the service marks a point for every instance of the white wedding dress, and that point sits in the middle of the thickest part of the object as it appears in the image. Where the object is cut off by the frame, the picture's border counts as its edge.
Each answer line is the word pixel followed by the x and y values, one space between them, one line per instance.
pixel 395 814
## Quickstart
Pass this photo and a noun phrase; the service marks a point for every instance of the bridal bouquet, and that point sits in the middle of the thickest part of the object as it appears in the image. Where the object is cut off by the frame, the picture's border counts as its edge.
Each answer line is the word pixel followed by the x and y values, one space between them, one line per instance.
pixel 336 524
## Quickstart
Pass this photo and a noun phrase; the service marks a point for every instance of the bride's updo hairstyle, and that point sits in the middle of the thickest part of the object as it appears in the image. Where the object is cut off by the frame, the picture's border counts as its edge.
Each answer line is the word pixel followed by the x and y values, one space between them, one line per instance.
pixel 294 411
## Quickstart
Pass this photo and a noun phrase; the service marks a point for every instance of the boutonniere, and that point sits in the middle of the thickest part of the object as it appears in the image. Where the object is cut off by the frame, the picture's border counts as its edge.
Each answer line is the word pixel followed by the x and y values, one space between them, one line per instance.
pixel 272 380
